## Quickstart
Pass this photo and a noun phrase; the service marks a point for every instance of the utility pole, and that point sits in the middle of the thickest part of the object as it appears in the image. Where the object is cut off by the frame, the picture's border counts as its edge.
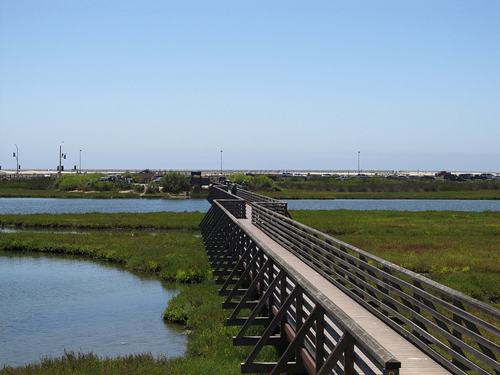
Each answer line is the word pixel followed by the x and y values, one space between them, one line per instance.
pixel 359 155
pixel 221 162
pixel 16 155
pixel 80 169
pixel 61 156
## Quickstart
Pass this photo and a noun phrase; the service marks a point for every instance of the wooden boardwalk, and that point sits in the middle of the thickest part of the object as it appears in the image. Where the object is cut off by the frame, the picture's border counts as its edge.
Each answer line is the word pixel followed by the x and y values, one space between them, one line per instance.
pixel 335 307
pixel 413 360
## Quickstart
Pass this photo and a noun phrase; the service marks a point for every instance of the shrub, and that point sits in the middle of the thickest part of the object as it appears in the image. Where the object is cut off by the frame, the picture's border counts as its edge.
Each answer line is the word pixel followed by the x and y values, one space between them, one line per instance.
pixel 139 188
pixel 174 182
pixel 77 182
pixel 260 182
pixel 151 188
pixel 102 185
pixel 38 183
pixel 238 178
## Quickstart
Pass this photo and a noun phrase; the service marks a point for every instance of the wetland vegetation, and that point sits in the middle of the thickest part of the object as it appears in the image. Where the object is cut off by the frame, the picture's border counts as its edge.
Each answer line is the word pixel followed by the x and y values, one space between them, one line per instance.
pixel 458 249
pixel 275 186
pixel 172 248
pixel 455 248
pixel 97 185
pixel 382 188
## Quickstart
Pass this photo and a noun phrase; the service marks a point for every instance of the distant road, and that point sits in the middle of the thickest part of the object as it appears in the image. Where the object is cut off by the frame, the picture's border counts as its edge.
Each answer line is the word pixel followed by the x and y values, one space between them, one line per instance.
pixel 213 172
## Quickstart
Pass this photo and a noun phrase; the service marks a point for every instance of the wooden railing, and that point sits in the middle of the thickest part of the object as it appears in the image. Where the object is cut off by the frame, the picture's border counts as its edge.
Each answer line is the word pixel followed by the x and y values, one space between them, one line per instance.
pixel 459 332
pixel 241 193
pixel 316 335
pixel 263 201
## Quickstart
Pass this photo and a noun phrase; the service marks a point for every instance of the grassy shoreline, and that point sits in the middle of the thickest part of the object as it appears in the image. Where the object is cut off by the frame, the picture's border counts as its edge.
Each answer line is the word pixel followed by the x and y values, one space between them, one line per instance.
pixel 280 188
pixel 96 220
pixel 24 193
pixel 458 249
pixel 286 194
pixel 170 247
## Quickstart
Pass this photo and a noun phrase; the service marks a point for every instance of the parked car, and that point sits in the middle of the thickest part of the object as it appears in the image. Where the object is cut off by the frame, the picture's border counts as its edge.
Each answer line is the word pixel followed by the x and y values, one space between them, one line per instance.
pixel 450 177
pixel 487 176
pixel 453 177
pixel 442 173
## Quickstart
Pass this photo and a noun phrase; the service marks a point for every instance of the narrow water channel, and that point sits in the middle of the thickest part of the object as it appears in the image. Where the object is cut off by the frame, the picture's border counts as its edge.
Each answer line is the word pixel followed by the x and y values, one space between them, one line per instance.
pixel 60 206
pixel 51 303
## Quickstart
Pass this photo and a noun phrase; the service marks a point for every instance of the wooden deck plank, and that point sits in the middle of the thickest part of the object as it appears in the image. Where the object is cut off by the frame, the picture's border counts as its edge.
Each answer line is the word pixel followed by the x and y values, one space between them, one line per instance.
pixel 413 360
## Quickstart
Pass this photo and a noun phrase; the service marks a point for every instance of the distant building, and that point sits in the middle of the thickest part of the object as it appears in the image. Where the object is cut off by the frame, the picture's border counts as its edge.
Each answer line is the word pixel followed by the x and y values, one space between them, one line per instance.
pixel 145 176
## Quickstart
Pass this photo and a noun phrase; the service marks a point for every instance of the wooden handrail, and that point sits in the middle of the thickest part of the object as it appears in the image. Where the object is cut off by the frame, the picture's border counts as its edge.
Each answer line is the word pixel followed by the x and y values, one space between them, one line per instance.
pixel 240 258
pixel 465 331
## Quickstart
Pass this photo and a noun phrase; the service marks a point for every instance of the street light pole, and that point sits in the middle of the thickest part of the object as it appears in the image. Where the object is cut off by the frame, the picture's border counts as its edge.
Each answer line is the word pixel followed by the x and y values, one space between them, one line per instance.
pixel 359 155
pixel 221 162
pixel 16 155
pixel 80 169
pixel 61 156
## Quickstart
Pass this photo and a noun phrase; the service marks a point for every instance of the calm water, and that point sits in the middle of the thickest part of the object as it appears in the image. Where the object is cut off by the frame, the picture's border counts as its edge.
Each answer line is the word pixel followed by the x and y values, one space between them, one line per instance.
pixel 49 304
pixel 56 206
pixel 395 204
pixel 64 206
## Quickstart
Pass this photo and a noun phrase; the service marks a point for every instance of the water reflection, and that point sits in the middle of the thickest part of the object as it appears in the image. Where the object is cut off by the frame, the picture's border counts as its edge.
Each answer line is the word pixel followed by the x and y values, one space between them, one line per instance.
pixel 52 303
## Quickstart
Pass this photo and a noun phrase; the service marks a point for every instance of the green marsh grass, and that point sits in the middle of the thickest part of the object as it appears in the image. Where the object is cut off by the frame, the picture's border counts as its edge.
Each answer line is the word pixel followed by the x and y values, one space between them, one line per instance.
pixel 154 220
pixel 377 184
pixel 458 249
pixel 381 188
pixel 23 193
pixel 172 248
pixel 285 194
pixel 176 255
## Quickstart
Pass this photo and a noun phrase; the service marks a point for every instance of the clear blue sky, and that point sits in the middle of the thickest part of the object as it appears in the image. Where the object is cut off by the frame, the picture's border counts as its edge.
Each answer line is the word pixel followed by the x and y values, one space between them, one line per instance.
pixel 292 84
